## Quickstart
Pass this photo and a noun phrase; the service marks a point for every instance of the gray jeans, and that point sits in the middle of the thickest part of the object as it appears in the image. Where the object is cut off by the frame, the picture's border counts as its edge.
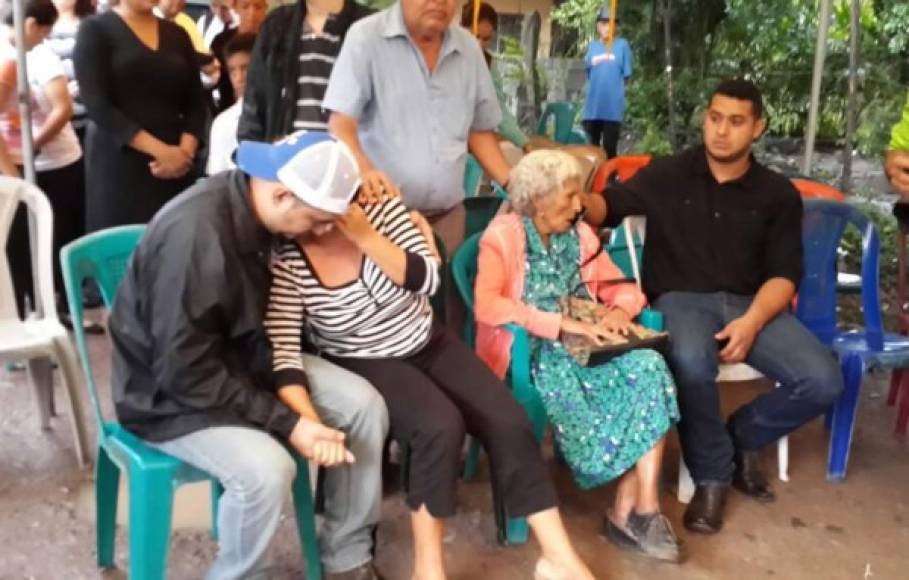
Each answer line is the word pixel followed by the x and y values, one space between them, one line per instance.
pixel 257 471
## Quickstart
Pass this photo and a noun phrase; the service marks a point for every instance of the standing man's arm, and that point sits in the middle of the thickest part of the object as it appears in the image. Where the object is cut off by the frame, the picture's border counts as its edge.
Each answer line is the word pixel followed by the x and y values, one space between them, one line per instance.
pixel 896 163
pixel 485 147
pixel 349 93
pixel 783 266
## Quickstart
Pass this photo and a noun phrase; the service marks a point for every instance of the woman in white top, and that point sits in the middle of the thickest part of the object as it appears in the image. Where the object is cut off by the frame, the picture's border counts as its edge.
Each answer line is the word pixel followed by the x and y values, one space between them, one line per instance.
pixel 58 160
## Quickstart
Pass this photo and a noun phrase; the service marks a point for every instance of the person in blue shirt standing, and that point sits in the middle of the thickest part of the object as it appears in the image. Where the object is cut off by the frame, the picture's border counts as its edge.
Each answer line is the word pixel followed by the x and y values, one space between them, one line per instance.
pixel 608 71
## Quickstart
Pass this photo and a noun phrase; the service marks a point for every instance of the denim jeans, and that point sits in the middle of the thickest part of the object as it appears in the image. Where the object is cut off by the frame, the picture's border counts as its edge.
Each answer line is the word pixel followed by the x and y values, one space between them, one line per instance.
pixel 257 472
pixel 784 351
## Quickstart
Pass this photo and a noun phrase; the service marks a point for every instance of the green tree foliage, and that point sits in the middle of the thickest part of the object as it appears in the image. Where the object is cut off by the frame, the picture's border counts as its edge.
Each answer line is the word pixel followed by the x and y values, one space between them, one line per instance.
pixel 768 41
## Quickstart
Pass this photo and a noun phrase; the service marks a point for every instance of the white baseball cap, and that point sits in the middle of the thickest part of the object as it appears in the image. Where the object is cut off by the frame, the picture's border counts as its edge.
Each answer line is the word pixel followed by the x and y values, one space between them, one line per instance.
pixel 318 168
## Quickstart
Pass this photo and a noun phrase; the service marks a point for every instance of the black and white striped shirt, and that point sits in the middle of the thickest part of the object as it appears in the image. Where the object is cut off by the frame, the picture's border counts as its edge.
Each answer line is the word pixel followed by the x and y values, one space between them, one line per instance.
pixel 370 317
pixel 318 52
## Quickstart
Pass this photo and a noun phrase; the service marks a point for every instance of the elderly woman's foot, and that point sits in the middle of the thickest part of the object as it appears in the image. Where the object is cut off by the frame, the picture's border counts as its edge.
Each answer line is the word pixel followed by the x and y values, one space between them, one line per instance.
pixel 648 534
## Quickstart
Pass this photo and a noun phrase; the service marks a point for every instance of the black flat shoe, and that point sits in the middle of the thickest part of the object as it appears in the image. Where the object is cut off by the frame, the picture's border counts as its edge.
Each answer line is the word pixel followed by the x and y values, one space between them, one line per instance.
pixel 705 512
pixel 749 479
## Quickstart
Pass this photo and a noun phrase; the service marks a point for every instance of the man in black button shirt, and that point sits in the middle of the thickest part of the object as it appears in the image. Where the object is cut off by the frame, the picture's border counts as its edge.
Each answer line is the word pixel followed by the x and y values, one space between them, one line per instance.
pixel 193 371
pixel 722 261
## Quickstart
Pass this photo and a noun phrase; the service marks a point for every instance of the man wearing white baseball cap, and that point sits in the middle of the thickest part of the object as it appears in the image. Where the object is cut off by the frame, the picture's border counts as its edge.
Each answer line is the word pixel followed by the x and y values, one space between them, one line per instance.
pixel 193 367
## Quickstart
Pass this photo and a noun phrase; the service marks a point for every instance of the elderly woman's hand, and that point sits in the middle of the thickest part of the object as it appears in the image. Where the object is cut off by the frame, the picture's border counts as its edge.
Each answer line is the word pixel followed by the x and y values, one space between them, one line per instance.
pixel 618 321
pixel 595 333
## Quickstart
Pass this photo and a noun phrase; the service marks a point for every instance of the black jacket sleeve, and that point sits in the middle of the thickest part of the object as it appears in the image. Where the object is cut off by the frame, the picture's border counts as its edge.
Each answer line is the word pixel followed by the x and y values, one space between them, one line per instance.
pixel 253 125
pixel 187 325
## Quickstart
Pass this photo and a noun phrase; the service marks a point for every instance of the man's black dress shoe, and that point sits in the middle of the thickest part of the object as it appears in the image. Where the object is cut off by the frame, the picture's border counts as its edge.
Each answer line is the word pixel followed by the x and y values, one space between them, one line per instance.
pixel 705 512
pixel 749 479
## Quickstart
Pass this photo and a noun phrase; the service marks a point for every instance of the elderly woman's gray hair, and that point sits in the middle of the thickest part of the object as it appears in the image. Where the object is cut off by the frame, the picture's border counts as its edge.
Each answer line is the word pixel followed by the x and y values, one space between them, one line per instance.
pixel 538 174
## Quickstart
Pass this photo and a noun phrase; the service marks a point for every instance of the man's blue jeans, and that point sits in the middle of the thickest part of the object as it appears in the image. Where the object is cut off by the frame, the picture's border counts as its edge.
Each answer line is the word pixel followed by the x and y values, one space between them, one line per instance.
pixel 784 351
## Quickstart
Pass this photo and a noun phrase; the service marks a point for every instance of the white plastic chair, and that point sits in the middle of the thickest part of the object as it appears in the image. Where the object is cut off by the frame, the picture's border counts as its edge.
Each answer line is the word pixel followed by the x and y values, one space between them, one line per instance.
pixel 39 338
pixel 728 373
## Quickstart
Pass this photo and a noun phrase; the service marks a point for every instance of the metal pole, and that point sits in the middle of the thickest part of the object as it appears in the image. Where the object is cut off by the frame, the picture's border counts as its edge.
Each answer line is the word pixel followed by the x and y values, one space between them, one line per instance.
pixel 820 54
pixel 852 105
pixel 22 93
pixel 667 41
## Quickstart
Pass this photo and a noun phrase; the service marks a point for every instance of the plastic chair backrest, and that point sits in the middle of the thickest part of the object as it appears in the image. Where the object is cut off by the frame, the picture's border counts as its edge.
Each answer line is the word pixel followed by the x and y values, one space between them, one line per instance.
pixel 621 168
pixel 14 191
pixel 464 268
pixel 823 225
pixel 103 257
pixel 810 189
pixel 562 113
pixel 473 176
pixel 480 211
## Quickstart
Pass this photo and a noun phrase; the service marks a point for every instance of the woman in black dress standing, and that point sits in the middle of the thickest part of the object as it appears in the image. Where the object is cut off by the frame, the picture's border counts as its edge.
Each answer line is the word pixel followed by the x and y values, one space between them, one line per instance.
pixel 139 80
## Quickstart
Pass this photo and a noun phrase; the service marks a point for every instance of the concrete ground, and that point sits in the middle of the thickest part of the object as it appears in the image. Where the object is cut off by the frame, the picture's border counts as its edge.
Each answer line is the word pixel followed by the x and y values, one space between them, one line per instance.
pixel 858 529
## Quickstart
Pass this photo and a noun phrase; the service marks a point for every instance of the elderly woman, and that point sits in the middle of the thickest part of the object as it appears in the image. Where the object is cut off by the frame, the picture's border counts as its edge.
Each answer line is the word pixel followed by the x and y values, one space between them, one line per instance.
pixel 359 289
pixel 610 421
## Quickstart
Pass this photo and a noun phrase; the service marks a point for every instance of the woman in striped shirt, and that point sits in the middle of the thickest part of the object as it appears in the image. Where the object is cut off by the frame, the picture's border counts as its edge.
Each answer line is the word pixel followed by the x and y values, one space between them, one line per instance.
pixel 359 288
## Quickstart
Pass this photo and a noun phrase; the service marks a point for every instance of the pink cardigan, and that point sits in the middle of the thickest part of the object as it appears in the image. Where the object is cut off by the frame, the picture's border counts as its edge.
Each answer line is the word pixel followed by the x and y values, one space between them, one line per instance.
pixel 500 285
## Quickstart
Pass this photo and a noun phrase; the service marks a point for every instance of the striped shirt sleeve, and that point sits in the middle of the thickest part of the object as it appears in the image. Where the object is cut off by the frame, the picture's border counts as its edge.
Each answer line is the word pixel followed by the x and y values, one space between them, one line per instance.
pixel 392 220
pixel 284 323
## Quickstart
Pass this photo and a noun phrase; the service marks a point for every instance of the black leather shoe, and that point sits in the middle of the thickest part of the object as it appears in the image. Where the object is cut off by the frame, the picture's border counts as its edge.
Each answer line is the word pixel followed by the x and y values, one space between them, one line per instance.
pixel 705 512
pixel 749 479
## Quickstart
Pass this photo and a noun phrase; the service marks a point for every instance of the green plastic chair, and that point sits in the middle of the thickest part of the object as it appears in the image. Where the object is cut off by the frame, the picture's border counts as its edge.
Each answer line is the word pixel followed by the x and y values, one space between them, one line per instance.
pixel 511 531
pixel 480 211
pixel 562 114
pixel 153 475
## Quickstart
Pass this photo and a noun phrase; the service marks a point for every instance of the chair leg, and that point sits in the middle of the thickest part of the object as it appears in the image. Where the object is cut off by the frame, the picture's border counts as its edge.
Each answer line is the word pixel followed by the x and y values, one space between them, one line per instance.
pixel 107 488
pixel 472 461
pixel 72 379
pixel 686 484
pixel 902 417
pixel 306 520
pixel 217 490
pixel 41 379
pixel 782 458
pixel 896 379
pixel 151 503
pixel 844 411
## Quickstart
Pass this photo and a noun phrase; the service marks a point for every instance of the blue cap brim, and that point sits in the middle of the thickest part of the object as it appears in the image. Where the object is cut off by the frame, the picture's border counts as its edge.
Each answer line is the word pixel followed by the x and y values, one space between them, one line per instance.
pixel 263 160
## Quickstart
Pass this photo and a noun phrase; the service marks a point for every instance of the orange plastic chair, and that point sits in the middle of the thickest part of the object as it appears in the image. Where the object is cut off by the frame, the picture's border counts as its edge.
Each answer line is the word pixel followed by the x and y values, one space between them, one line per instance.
pixel 622 168
pixel 810 189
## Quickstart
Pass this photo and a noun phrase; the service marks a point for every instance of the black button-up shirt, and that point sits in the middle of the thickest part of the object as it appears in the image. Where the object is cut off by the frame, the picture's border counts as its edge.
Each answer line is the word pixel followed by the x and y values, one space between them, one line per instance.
pixel 189 347
pixel 704 236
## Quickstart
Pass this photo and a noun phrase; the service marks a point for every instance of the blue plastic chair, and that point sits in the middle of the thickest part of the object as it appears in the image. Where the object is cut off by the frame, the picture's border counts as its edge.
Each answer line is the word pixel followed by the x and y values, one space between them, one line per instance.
pixel 153 475
pixel 823 226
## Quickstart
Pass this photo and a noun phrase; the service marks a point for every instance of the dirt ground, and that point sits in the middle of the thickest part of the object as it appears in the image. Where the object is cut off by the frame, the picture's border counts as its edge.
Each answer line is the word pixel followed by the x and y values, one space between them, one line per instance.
pixel 856 530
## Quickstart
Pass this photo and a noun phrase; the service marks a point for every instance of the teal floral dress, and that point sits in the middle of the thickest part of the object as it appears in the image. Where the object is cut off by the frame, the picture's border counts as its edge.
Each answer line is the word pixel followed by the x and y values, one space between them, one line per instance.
pixel 605 417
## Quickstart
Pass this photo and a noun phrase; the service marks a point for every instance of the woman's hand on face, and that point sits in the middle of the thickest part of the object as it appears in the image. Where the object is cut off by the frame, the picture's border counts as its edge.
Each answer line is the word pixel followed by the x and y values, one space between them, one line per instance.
pixel 595 333
pixel 617 321
pixel 355 226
